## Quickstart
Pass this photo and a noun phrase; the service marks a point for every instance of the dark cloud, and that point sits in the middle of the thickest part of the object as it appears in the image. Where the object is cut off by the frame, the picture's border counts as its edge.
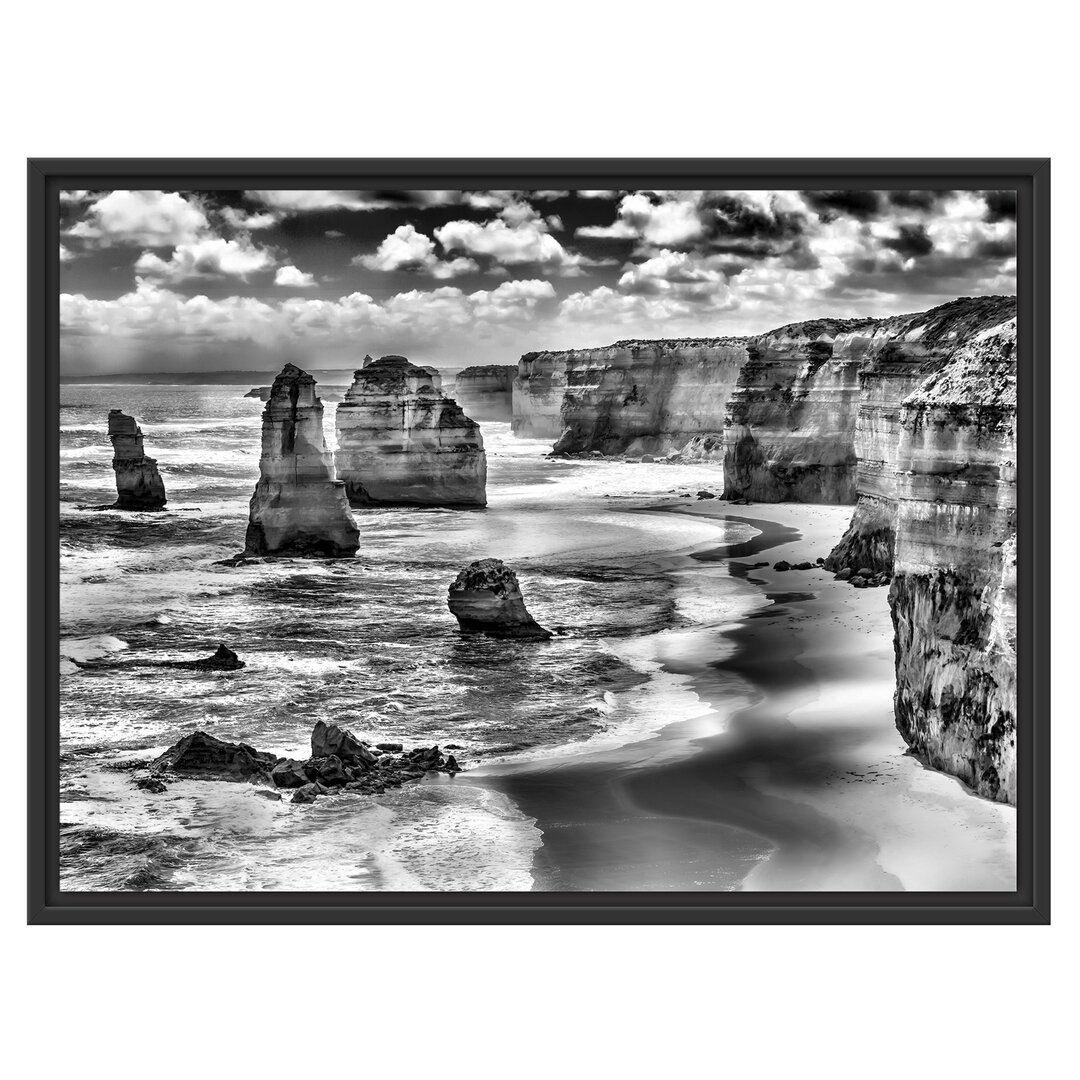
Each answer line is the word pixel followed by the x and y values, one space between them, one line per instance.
pixel 914 200
pixel 740 228
pixel 829 205
pixel 1003 248
pixel 910 242
pixel 1000 205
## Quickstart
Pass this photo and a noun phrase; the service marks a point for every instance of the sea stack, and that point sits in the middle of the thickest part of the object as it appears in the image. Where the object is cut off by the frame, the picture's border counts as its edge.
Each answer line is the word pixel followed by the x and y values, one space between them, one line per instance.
pixel 138 483
pixel 401 442
pixel 485 598
pixel 299 507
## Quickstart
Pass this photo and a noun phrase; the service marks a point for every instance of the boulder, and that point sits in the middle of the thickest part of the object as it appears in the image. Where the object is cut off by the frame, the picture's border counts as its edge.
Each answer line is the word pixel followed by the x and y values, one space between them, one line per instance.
pixel 844 575
pixel 705 495
pixel 781 565
pixel 859 581
pixel 329 739
pixel 200 756
pixel 289 773
pixel 332 772
pixel 803 566
pixel 485 598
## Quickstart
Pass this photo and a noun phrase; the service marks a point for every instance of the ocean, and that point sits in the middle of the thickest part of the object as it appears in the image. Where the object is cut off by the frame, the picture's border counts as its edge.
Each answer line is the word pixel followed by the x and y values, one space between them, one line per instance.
pixel 367 643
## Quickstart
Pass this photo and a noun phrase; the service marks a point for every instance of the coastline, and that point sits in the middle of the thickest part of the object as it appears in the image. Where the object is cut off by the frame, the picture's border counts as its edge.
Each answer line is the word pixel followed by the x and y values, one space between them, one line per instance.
pixel 793 776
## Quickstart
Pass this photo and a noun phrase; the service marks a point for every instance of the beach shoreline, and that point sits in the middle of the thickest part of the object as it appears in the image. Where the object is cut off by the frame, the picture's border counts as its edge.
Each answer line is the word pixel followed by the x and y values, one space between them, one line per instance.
pixel 792 777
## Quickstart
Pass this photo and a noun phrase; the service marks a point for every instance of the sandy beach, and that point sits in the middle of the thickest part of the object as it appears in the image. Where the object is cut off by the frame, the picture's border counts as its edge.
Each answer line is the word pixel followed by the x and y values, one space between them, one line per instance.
pixel 792 777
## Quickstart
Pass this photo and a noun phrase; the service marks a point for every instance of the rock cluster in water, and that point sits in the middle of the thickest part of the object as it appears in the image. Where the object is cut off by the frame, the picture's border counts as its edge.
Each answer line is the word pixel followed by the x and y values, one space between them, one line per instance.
pixel 299 506
pixel 486 392
pixel 485 598
pixel 339 762
pixel 224 659
pixel 402 442
pixel 138 483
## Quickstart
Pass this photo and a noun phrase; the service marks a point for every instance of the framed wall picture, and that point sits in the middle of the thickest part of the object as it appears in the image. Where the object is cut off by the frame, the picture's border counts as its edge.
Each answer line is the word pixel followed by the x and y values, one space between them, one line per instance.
pixel 539 541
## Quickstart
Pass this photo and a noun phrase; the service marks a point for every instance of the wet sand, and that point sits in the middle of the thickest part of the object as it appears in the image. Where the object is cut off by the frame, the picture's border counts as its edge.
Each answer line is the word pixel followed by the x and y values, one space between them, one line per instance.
pixel 792 778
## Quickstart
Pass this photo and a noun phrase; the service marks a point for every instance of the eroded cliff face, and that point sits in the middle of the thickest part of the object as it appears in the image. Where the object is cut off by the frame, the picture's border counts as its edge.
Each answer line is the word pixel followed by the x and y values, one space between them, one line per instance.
pixel 634 397
pixel 898 356
pixel 400 441
pixel 953 595
pixel 299 506
pixel 789 422
pixel 486 392
pixel 138 482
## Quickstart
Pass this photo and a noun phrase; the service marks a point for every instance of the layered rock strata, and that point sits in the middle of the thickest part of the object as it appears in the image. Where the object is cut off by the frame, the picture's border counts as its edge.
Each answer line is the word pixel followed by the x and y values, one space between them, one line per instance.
pixel 485 598
pixel 898 356
pixel 299 507
pixel 487 392
pixel 401 441
pixel 953 595
pixel 138 482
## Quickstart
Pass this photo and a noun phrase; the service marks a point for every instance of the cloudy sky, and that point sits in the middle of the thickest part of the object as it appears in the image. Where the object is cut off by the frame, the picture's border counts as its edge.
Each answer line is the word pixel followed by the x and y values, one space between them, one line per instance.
pixel 186 281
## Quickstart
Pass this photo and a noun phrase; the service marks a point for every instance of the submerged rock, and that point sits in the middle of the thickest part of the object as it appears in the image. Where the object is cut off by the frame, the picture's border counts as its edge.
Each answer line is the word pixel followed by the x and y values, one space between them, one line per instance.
pixel 200 756
pixel 485 599
pixel 299 506
pixel 222 660
pixel 138 482
pixel 402 442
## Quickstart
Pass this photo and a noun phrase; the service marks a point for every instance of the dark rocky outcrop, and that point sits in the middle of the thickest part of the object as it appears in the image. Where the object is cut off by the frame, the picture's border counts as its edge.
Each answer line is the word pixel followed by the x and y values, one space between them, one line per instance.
pixel 485 598
pixel 356 768
pixel 224 659
pixel 260 392
pixel 402 442
pixel 200 756
pixel 138 482
pixel 299 507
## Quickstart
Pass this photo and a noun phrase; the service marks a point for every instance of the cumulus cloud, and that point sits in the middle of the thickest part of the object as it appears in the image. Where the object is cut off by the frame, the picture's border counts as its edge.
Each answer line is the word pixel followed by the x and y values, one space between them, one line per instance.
pixel 65 254
pixel 523 239
pixel 641 216
pixel 209 257
pixel 141 218
pixel 294 277
pixel 407 249
pixel 241 219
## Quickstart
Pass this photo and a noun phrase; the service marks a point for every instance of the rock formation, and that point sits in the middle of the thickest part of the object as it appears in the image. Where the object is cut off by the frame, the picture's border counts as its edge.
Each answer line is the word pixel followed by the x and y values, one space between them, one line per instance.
pixel 633 397
pixel 354 767
pixel 486 392
pixel 953 595
pixel 260 392
pixel 485 599
pixel 898 355
pixel 400 441
pixel 138 483
pixel 298 507
pixel 200 756
pixel 224 659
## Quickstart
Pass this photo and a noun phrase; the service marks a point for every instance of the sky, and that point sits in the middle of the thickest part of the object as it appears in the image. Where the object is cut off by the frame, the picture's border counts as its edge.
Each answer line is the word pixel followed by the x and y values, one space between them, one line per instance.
pixel 214 280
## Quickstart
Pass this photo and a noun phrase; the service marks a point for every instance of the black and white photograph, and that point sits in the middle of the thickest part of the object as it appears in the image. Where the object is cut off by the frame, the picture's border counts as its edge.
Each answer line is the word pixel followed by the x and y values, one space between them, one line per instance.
pixel 547 540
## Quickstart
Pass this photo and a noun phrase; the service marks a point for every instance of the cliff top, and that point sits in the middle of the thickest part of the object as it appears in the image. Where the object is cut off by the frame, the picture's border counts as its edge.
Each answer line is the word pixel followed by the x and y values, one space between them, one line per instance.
pixel 964 316
pixel 487 369
pixel 392 373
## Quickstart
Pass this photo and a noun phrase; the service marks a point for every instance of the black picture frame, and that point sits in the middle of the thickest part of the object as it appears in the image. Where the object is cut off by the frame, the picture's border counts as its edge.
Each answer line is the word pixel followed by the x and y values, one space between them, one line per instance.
pixel 1029 904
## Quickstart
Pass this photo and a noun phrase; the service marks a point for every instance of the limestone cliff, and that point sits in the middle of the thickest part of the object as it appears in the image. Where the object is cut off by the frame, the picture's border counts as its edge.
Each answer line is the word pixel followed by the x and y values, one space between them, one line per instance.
pixel 898 355
pixel 633 397
pixel 953 595
pixel 298 507
pixel 486 392
pixel 138 482
pixel 400 441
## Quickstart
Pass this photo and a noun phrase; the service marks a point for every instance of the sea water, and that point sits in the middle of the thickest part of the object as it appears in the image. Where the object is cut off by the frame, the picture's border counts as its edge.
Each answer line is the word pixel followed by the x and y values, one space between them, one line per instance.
pixel 366 643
